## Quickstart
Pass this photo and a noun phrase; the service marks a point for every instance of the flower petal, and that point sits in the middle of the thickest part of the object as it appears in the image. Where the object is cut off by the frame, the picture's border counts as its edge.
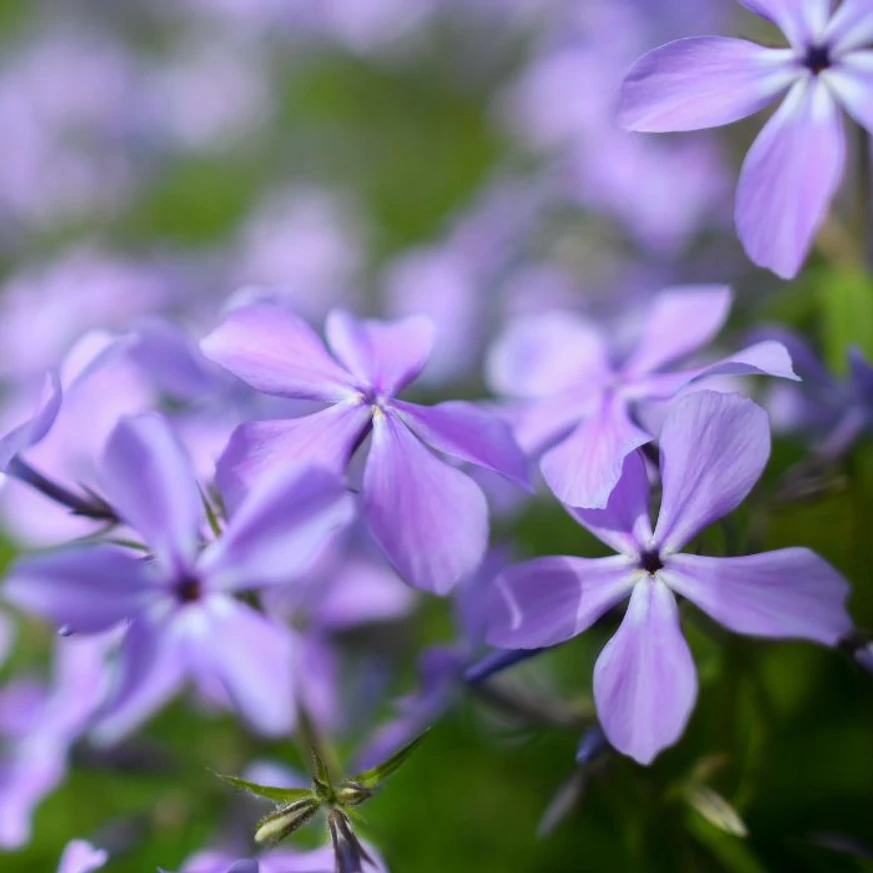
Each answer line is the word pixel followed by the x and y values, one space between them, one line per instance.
pixel 624 523
pixel 384 355
pixel 791 593
pixel 800 20
pixel 149 480
pixel 767 358
pixel 468 433
pixel 583 469
pixel 790 177
pixel 278 530
pixel 714 448
pixel 82 857
pixel 850 27
pixel 429 518
pixel 550 600
pixel 253 658
pixel 701 82
pixel 261 449
pixel 82 590
pixel 150 671
pixel 546 355
pixel 852 82
pixel 276 352
pixel 679 322
pixel 645 684
pixel 30 432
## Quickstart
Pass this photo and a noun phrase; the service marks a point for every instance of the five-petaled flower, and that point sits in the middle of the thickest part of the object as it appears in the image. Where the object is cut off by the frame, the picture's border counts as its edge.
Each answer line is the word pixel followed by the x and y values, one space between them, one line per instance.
pixel 795 166
pixel 577 396
pixel 184 621
pixel 714 448
pixel 430 519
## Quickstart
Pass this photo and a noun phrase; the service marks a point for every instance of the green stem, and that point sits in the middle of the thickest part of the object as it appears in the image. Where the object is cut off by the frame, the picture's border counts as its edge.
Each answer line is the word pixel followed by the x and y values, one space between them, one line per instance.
pixel 864 204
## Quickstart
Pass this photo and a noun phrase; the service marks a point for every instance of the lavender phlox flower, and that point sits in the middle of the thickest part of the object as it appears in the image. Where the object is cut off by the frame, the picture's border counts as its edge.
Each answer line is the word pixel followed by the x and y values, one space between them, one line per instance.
pixel 39 724
pixel 209 96
pixel 303 247
pixel 430 519
pixel 81 857
pixel 321 860
pixel 100 385
pixel 184 621
pixel 576 397
pixel 35 427
pixel 833 411
pixel 458 282
pixel 713 448
pixel 794 169
pixel 661 193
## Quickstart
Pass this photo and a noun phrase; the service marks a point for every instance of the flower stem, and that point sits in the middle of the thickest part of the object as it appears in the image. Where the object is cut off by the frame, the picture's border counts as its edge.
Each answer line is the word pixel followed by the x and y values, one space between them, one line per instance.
pixel 86 507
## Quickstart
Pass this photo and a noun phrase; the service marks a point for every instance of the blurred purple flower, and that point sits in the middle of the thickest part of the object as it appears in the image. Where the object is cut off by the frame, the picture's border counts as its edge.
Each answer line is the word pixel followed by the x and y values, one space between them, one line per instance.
pixel 184 619
pixel 303 248
pixel 274 861
pixel 835 412
pixel 34 429
pixel 441 668
pixel 714 448
pixel 100 385
pixel 794 168
pixel 662 195
pixel 430 519
pixel 577 401
pixel 82 857
pixel 39 725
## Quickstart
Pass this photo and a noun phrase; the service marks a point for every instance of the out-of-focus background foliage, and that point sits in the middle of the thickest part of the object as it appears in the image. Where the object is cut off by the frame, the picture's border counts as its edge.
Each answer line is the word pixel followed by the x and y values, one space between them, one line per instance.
pixel 455 156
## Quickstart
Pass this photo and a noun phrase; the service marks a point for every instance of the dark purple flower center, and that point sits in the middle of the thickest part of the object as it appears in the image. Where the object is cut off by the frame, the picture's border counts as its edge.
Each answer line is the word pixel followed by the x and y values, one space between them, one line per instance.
pixel 651 562
pixel 818 58
pixel 188 589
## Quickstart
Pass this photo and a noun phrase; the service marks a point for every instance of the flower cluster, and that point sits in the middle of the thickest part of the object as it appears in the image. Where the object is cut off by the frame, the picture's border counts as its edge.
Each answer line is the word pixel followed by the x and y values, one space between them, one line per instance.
pixel 251 517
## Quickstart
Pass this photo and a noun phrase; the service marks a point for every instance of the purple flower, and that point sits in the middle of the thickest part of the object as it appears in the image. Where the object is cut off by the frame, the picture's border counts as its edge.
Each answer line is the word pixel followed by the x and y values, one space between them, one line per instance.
pixel 794 168
pixel 36 426
pixel 38 726
pixel 577 400
pixel 184 619
pixel 82 857
pixel 275 861
pixel 430 519
pixel 714 448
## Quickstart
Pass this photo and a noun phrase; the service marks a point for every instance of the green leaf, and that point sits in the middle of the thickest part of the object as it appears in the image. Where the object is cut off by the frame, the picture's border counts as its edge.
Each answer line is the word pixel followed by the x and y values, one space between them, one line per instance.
pixel 325 768
pixel 732 854
pixel 716 810
pixel 378 774
pixel 280 795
